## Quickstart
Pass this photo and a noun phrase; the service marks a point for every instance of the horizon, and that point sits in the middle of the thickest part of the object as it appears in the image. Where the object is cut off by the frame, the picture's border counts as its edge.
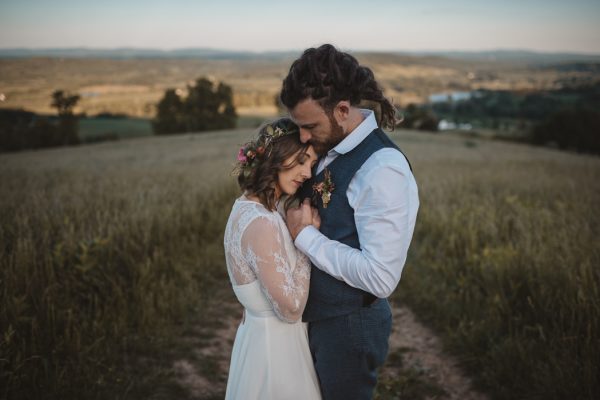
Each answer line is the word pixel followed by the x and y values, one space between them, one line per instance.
pixel 549 26
pixel 299 50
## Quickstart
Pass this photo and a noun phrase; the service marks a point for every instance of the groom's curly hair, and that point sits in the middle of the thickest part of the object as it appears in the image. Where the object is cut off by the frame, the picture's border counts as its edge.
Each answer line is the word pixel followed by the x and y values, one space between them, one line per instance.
pixel 329 76
pixel 263 178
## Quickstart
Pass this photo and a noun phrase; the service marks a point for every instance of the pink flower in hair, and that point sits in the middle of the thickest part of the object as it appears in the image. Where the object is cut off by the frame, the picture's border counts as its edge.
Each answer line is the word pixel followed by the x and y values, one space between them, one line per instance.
pixel 241 156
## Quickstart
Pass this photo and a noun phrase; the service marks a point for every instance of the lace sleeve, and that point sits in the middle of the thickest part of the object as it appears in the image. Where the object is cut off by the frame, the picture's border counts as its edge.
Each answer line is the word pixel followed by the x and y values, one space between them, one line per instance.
pixel 284 278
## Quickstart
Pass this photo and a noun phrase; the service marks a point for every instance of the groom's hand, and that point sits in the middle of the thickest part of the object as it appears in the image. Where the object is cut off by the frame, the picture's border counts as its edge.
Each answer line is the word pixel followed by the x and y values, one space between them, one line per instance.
pixel 299 218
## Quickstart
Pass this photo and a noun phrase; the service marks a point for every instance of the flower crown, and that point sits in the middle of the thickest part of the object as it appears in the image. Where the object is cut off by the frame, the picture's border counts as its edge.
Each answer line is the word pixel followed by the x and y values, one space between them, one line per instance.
pixel 251 154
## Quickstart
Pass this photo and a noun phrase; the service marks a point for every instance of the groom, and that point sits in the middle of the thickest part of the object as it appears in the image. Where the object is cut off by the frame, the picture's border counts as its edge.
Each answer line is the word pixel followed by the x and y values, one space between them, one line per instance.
pixel 367 198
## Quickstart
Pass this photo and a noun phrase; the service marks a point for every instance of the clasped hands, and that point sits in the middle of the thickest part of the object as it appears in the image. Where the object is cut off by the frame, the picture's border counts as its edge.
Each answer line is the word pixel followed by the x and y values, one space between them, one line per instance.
pixel 298 218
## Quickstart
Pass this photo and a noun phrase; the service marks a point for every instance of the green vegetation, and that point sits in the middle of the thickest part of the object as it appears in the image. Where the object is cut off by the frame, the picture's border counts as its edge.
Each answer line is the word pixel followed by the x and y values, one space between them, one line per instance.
pixel 134 86
pixel 419 117
pixel 528 105
pixel 402 382
pixel 21 129
pixel 205 108
pixel 102 260
pixel 64 104
pixel 105 259
pixel 571 128
pixel 504 263
pixel 101 128
pixel 567 118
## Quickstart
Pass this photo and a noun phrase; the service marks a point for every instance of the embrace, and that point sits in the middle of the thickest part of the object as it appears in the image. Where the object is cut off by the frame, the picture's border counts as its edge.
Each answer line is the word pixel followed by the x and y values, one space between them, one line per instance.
pixel 319 237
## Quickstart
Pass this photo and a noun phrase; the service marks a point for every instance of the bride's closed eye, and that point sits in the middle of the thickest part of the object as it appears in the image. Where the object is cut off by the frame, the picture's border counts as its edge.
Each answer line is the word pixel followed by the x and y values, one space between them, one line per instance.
pixel 302 158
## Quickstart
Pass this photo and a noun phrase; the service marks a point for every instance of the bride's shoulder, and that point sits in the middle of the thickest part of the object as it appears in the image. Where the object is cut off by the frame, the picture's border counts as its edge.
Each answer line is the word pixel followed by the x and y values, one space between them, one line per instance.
pixel 250 206
pixel 246 211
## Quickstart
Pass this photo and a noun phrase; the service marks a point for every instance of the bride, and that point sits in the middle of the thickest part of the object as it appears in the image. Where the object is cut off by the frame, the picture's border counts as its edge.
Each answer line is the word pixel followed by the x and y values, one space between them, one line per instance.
pixel 270 357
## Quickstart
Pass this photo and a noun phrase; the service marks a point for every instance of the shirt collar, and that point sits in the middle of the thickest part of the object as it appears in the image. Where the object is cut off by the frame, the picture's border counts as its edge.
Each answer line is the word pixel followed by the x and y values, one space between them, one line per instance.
pixel 359 134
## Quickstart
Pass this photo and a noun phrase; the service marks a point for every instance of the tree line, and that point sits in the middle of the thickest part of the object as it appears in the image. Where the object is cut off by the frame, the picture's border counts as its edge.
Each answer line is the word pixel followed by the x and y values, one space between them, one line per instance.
pixel 20 129
pixel 567 118
pixel 206 107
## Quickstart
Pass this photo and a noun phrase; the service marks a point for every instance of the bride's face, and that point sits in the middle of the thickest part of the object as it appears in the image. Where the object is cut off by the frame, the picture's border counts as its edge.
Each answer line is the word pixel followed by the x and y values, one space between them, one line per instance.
pixel 289 180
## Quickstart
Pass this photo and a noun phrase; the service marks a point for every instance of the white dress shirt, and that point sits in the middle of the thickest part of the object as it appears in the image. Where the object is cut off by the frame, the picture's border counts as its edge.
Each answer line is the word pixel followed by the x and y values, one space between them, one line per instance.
pixel 385 199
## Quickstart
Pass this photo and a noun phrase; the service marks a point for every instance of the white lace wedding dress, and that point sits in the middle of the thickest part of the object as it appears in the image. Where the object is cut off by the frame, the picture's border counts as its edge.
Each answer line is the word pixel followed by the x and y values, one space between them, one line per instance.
pixel 270 357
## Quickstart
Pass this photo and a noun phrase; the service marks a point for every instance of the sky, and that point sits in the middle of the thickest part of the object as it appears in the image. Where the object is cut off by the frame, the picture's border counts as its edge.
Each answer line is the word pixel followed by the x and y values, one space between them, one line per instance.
pixel 263 25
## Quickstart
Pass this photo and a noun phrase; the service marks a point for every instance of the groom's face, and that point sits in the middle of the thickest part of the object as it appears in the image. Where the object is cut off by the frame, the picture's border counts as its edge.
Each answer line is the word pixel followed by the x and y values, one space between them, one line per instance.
pixel 317 127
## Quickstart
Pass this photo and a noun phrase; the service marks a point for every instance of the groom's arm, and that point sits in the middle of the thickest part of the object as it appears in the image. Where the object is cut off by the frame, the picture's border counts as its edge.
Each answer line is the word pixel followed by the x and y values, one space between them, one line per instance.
pixel 385 199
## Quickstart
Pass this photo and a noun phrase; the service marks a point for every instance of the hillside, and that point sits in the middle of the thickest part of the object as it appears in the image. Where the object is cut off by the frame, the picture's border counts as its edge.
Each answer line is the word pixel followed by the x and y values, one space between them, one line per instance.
pixel 134 85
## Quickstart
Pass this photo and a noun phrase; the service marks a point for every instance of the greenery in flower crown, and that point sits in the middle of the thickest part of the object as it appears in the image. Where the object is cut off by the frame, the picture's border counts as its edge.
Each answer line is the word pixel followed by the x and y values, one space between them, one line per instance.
pixel 251 154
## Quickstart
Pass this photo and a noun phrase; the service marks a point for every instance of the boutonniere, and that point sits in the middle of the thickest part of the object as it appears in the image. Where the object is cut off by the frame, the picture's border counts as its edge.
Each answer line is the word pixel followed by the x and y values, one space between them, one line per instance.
pixel 324 188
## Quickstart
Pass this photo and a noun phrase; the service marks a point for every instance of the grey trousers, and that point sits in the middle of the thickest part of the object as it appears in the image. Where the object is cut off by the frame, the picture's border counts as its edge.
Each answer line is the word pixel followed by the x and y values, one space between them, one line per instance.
pixel 347 350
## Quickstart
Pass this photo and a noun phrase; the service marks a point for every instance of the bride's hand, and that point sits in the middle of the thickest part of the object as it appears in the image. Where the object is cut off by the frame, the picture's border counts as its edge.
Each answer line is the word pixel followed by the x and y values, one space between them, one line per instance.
pixel 301 217
pixel 316 219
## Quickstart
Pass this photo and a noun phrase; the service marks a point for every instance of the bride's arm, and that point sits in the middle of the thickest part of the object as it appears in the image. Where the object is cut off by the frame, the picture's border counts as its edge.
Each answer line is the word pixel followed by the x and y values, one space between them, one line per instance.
pixel 285 284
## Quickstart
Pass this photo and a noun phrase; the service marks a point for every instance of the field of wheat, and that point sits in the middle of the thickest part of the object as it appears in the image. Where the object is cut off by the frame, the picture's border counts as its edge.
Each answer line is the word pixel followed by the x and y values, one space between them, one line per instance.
pixel 107 249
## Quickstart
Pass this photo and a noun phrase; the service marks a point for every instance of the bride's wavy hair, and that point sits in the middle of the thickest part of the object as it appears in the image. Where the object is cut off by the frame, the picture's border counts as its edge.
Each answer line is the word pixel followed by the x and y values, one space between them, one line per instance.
pixel 329 76
pixel 261 178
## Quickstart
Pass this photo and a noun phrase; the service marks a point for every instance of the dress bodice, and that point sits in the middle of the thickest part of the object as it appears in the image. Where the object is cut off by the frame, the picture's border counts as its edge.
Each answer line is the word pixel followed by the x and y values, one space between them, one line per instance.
pixel 259 251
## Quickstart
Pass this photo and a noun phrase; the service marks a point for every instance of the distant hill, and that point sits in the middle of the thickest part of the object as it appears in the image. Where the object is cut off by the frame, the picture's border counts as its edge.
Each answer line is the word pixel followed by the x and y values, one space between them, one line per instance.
pixel 511 56
pixel 515 56
pixel 131 81
pixel 136 53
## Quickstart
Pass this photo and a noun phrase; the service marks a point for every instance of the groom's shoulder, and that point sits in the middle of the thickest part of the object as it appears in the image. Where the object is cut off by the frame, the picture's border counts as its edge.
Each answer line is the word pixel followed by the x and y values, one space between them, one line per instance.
pixel 387 162
pixel 387 157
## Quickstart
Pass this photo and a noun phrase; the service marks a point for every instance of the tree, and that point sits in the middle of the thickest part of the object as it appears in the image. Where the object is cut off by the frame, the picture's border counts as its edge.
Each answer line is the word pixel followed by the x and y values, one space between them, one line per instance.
pixel 200 106
pixel 169 114
pixel 67 132
pixel 226 109
pixel 205 108
pixel 21 129
pixel 16 128
pixel 63 102
pixel 419 117
pixel 571 128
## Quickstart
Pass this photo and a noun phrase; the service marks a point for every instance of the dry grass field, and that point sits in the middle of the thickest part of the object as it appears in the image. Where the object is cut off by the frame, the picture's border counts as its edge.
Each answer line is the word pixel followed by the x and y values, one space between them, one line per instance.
pixel 134 86
pixel 111 252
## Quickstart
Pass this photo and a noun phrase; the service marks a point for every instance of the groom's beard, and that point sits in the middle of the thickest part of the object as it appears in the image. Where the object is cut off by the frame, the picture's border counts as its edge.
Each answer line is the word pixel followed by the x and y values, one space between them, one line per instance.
pixel 336 136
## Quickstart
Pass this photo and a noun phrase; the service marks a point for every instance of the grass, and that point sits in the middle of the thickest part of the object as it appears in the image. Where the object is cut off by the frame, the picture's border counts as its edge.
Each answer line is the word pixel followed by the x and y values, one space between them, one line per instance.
pixel 108 251
pixel 504 263
pixel 95 129
pixel 402 382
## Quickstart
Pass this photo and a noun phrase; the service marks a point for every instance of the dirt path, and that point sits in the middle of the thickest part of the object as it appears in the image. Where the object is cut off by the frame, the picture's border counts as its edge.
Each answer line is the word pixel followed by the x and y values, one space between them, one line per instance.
pixel 417 368
pixel 203 371
pixel 421 353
